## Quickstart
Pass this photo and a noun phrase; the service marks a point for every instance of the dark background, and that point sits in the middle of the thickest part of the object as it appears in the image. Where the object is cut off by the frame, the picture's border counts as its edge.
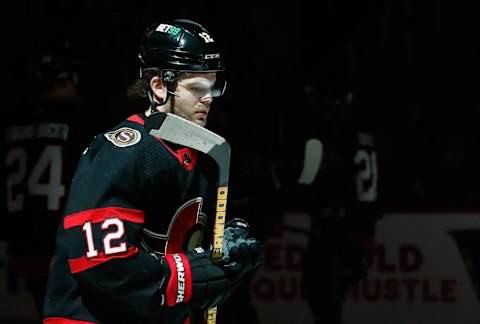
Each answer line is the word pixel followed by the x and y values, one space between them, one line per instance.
pixel 412 65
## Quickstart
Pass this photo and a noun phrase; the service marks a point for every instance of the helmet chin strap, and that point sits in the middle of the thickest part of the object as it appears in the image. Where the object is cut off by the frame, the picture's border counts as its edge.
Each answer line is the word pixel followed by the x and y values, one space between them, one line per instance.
pixel 154 104
pixel 168 77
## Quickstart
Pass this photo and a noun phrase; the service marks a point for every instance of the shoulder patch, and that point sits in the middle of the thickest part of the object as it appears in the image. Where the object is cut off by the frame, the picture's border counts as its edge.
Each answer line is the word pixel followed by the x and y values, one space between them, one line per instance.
pixel 124 136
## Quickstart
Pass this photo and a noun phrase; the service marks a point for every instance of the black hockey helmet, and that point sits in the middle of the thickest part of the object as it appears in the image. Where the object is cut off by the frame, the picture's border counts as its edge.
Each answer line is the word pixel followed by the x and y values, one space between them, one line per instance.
pixel 51 62
pixel 179 46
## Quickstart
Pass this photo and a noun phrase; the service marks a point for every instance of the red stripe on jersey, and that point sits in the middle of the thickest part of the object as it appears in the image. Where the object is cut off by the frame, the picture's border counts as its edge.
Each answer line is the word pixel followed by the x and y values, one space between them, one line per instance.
pixel 179 288
pixel 60 320
pixel 137 119
pixel 84 263
pixel 100 214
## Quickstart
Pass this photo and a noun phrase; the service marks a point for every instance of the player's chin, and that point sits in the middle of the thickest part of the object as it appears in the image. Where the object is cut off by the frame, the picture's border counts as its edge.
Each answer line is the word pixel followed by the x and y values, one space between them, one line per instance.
pixel 200 121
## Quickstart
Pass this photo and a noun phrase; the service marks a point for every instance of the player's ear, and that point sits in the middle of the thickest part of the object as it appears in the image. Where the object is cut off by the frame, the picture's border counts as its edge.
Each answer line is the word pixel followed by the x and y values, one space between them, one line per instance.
pixel 159 89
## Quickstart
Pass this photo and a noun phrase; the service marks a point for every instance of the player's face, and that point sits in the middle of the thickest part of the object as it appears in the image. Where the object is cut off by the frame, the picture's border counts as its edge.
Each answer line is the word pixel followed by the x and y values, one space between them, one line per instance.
pixel 194 96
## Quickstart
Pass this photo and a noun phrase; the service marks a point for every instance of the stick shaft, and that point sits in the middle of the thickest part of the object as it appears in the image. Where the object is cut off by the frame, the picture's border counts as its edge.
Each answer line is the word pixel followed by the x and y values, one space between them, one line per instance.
pixel 218 230
pixel 181 131
pixel 219 225
pixel 211 315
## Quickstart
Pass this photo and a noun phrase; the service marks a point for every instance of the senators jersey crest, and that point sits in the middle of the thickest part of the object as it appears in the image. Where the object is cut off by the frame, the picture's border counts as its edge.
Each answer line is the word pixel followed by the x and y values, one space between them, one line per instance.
pixel 185 231
pixel 124 136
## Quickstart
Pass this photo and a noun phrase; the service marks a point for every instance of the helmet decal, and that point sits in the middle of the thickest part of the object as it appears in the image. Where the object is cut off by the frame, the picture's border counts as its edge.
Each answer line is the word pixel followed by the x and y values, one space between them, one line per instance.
pixel 206 37
pixel 212 56
pixel 169 29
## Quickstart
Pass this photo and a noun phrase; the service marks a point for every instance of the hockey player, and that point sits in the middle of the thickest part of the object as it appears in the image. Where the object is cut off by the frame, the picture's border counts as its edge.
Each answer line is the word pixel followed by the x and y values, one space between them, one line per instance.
pixel 346 203
pixel 42 138
pixel 133 245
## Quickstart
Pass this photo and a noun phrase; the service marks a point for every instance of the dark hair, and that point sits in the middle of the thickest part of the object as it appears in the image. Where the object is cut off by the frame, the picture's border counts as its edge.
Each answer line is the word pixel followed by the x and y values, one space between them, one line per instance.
pixel 138 89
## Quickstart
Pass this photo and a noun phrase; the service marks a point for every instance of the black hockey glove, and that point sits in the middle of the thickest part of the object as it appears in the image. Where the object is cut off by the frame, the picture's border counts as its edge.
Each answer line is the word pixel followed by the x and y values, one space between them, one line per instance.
pixel 192 277
pixel 241 252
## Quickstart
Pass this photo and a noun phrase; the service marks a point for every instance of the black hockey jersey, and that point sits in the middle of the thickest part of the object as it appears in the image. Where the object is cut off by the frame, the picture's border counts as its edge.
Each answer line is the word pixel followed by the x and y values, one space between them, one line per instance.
pixel 349 175
pixel 41 145
pixel 132 194
pixel 347 181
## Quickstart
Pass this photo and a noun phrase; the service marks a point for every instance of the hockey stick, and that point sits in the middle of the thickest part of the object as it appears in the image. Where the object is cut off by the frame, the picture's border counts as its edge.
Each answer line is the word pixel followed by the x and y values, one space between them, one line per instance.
pixel 312 161
pixel 181 131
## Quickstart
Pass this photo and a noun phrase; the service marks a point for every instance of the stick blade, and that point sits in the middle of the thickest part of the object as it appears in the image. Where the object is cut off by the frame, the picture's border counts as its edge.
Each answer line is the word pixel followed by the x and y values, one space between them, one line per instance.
pixel 312 161
pixel 181 131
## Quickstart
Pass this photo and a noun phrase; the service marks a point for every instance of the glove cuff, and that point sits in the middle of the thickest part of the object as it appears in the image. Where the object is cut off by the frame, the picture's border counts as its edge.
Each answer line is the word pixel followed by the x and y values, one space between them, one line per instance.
pixel 179 287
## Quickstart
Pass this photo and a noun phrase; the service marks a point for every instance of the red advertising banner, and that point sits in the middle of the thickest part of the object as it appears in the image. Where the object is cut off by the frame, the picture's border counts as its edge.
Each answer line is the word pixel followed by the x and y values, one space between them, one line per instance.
pixel 425 269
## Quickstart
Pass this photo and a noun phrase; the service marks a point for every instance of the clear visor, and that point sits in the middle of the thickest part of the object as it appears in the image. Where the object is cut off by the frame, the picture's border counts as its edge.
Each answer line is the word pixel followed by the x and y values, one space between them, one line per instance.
pixel 207 82
pixel 218 88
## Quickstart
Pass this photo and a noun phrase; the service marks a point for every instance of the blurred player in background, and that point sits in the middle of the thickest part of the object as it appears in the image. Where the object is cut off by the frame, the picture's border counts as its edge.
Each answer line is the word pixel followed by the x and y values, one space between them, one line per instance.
pixel 42 138
pixel 343 199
